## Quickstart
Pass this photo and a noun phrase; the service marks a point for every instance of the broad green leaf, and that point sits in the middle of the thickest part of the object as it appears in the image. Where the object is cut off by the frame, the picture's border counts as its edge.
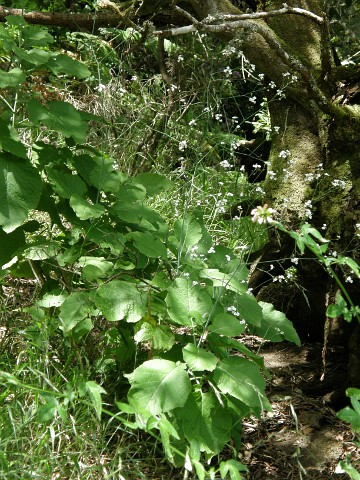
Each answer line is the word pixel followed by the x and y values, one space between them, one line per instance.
pixel 249 309
pixel 84 209
pixel 226 324
pixel 142 216
pixel 159 386
pixel 75 308
pixel 10 242
pixel 233 467
pixel 119 300
pixel 148 244
pixel 199 359
pixel 153 183
pixel 107 238
pixel 275 326
pixel 94 267
pixel 9 141
pixel 99 172
pixel 94 390
pixel 347 414
pixel 41 249
pixel 65 64
pixel 52 299
pixel 187 303
pixel 36 36
pixel 12 78
pixel 59 116
pixel 334 311
pixel 47 412
pixel 205 422
pixel 160 337
pixel 187 231
pixel 225 280
pixel 16 21
pixel 81 329
pixel 34 56
pixel 223 342
pixel 20 190
pixel 65 184
pixel 242 379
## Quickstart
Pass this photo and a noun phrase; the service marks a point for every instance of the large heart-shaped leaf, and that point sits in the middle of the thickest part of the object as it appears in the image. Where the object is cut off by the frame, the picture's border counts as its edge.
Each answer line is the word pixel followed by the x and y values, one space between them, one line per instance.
pixel 159 386
pixel 20 190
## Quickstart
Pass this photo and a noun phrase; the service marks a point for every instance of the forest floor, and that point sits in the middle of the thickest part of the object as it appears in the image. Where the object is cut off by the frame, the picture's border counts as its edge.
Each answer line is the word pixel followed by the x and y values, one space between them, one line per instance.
pixel 301 438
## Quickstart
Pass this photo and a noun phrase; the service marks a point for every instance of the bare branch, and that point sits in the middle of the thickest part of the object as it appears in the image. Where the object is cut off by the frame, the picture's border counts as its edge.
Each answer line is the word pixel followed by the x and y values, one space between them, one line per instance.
pixel 272 13
pixel 73 21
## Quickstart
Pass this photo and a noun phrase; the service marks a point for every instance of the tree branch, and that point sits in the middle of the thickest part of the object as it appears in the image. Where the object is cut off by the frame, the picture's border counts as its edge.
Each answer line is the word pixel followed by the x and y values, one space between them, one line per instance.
pixel 72 21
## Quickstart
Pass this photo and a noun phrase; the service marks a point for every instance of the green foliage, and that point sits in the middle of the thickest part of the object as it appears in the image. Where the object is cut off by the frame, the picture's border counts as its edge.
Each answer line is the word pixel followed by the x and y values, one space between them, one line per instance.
pixel 165 289
pixel 352 416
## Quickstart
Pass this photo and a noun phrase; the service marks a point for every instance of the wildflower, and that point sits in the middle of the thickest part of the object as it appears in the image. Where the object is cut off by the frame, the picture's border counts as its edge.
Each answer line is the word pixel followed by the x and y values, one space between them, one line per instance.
pixel 225 164
pixel 276 129
pixel 100 88
pixel 228 258
pixel 180 58
pixel 284 154
pixel 252 99
pixel 227 71
pixel 211 250
pixel 233 311
pixel 192 122
pixel 263 214
pixel 349 279
pixel 272 174
pixel 182 145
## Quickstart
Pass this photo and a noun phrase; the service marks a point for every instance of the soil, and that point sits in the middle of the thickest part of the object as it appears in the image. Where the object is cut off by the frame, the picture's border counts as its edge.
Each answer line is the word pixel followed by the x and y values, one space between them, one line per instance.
pixel 301 438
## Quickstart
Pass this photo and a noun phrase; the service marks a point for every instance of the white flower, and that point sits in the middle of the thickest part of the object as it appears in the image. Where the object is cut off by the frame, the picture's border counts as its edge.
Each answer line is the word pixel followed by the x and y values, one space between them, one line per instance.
pixel 284 153
pixel 349 280
pixel 211 250
pixel 263 214
pixel 192 122
pixel 225 164
pixel 180 58
pixel 182 145
pixel 252 99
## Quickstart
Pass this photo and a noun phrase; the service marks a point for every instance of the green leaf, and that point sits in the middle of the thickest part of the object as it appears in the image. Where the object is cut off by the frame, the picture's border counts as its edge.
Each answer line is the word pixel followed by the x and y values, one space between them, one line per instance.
pixel 159 386
pixel 153 183
pixel 347 414
pixel 233 467
pixel 65 184
pixel 148 244
pixel 47 412
pixel 275 326
pixel 10 242
pixel 34 56
pixel 199 359
pixel 59 116
pixel 187 231
pixel 94 390
pixel 119 300
pixel 84 209
pixel 225 280
pixel 99 172
pixel 242 379
pixel 20 191
pixel 205 422
pixel 9 141
pixel 12 78
pixel 187 303
pixel 61 64
pixel 107 238
pixel 94 267
pixel 75 308
pixel 41 249
pixel 249 309
pixel 36 36
pixel 142 216
pixel 160 337
pixel 226 324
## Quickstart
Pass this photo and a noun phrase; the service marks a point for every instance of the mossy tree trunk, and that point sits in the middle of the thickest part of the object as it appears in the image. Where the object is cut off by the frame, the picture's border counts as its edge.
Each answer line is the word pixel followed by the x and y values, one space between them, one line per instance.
pixel 314 164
